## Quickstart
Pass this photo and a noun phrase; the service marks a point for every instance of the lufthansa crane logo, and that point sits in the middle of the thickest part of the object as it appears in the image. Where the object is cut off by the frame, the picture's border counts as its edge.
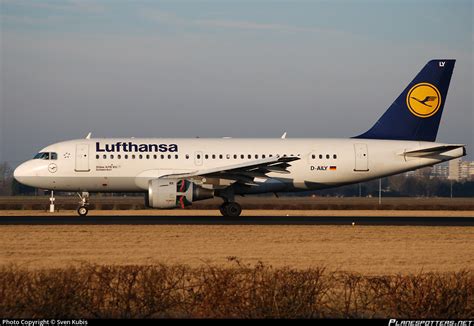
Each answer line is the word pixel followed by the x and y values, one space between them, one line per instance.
pixel 52 168
pixel 423 100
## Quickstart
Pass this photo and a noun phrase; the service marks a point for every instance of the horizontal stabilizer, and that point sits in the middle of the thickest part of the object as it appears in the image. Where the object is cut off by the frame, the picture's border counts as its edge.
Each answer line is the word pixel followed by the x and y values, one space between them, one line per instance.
pixel 429 151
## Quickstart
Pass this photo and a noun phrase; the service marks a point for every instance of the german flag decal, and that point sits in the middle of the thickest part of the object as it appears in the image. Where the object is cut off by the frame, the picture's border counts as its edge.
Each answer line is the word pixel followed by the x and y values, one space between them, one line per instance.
pixel 333 168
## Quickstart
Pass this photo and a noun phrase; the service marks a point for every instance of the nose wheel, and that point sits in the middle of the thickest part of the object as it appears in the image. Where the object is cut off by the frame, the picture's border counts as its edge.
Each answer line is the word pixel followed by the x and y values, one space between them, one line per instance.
pixel 230 209
pixel 83 210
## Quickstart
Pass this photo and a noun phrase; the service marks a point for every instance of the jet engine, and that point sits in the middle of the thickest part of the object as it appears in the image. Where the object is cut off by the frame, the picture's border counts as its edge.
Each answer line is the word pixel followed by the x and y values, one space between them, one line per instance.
pixel 171 193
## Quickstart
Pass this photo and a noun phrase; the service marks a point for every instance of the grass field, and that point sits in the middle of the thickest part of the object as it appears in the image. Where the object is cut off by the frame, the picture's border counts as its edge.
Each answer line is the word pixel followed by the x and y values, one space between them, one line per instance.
pixel 128 271
pixel 363 249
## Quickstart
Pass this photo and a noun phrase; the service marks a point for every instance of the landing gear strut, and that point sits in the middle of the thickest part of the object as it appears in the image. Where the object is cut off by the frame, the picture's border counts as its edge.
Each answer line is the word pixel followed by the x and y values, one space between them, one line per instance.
pixel 83 210
pixel 230 209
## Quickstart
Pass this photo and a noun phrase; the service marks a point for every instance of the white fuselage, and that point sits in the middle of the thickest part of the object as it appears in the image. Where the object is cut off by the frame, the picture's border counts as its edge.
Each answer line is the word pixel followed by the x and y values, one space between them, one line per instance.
pixel 100 165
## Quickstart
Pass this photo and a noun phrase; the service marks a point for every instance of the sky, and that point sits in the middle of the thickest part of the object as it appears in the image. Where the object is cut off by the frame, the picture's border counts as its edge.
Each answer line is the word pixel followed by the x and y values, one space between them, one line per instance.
pixel 221 68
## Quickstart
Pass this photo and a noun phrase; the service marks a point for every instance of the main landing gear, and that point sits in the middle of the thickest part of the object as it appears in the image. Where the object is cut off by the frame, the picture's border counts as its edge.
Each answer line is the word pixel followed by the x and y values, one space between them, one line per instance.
pixel 83 210
pixel 230 209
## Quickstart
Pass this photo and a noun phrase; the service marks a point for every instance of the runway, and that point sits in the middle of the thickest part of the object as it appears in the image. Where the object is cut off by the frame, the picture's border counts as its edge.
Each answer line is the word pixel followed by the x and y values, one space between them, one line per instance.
pixel 244 220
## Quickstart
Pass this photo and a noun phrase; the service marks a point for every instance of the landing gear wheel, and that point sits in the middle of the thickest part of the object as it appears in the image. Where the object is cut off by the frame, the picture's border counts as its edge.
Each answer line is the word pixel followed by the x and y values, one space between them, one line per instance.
pixel 222 209
pixel 82 211
pixel 231 209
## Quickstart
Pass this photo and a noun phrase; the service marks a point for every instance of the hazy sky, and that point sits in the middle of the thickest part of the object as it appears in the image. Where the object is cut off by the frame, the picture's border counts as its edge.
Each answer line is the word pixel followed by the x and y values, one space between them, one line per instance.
pixel 221 68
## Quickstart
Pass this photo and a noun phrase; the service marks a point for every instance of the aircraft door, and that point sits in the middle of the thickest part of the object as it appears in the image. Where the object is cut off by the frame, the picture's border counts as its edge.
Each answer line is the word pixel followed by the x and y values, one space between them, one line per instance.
pixel 198 158
pixel 82 158
pixel 361 157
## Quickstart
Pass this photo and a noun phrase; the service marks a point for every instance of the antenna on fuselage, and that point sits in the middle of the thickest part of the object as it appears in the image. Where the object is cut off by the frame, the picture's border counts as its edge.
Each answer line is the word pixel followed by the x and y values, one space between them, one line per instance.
pixel 283 136
pixel 89 135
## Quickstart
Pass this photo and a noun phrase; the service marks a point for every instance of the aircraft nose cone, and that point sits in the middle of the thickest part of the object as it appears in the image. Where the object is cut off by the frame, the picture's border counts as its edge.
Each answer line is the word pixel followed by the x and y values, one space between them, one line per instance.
pixel 20 173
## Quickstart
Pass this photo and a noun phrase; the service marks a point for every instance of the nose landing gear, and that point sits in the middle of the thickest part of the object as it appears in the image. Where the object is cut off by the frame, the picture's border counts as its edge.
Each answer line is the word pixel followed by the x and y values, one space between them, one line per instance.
pixel 83 210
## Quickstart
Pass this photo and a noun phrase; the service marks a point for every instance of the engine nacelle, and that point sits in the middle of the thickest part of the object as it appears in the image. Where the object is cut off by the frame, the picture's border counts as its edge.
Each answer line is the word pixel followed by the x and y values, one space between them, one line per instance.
pixel 171 193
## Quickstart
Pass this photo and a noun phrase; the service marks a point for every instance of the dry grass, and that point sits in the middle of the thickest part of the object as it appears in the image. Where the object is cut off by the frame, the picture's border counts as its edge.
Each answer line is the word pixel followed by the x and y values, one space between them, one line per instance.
pixel 370 250
pixel 240 291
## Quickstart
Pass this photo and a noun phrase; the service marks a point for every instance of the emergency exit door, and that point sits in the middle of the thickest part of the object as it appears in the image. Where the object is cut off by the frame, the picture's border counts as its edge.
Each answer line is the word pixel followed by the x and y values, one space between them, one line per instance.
pixel 361 157
pixel 82 158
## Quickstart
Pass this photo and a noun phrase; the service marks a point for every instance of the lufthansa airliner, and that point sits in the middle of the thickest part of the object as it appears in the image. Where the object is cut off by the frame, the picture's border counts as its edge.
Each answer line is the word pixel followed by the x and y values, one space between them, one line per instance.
pixel 176 172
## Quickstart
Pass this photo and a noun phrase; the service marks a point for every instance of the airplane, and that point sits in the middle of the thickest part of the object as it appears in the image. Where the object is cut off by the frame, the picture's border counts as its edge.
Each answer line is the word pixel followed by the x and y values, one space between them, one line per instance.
pixel 174 173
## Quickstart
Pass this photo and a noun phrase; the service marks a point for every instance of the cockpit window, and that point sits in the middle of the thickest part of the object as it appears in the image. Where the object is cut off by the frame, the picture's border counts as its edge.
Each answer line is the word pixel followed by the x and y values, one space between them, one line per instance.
pixel 40 156
pixel 46 156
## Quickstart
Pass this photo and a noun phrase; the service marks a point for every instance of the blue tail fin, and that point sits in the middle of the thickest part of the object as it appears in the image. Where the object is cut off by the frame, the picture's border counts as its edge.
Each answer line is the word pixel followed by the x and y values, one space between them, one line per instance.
pixel 416 113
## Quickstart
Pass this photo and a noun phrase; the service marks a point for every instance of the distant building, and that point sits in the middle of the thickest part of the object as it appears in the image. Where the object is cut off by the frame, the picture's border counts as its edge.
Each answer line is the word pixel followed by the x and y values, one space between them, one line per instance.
pixel 460 170
pixel 440 171
pixel 453 173
pixel 456 170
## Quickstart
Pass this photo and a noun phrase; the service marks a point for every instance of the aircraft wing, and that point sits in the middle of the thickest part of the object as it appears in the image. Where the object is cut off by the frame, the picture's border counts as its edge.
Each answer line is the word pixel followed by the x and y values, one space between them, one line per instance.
pixel 242 172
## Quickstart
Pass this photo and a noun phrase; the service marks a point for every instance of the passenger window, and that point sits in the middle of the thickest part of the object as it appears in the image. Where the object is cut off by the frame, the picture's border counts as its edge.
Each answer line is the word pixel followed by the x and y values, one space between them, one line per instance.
pixel 104 156
pixel 169 156
pixel 213 156
pixel 334 156
pixel 162 156
pixel 147 156
pixel 133 156
pixel 220 156
pixel 54 156
pixel 249 156
pixel 126 157
pixel 176 156
pixel 198 156
pixel 242 156
pixel 111 156
pixel 228 156
pixel 140 156
pixel 187 156
pixel 313 156
pixel 206 156
pixel 256 155
pixel 97 157
pixel 327 156
pixel 320 156
pixel 263 156
pixel 119 156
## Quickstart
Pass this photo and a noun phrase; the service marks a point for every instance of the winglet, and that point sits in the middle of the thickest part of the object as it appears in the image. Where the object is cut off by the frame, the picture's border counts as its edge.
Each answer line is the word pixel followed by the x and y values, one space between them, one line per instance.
pixel 283 136
pixel 89 135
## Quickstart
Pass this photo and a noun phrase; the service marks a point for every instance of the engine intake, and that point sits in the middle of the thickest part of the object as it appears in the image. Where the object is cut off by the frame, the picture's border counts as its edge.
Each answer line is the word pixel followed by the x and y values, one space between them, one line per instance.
pixel 171 193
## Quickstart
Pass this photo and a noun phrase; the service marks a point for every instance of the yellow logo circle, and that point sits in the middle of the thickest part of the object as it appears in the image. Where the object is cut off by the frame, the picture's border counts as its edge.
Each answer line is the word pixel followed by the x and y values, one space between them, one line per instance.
pixel 423 100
